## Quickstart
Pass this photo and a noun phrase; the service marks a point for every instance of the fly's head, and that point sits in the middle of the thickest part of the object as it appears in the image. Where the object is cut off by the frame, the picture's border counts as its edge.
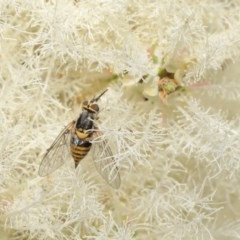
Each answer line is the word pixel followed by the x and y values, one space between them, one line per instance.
pixel 92 106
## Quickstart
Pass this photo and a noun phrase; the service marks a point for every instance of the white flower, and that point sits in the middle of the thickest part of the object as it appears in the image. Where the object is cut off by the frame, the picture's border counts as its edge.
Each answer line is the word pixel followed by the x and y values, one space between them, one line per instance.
pixel 179 162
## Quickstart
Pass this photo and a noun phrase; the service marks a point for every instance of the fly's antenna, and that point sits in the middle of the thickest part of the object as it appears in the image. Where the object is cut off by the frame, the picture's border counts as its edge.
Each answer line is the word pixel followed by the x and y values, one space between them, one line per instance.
pixel 97 98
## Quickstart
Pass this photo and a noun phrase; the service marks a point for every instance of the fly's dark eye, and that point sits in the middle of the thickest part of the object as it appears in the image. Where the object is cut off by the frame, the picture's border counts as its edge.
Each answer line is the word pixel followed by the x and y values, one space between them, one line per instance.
pixel 94 107
pixel 85 104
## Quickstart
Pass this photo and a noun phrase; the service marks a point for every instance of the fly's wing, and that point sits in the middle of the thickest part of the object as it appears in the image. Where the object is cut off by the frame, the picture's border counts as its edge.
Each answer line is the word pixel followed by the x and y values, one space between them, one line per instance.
pixel 105 163
pixel 57 153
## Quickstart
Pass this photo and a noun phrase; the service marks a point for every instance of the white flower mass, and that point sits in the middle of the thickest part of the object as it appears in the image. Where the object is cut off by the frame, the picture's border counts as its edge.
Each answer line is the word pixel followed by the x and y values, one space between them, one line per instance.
pixel 171 117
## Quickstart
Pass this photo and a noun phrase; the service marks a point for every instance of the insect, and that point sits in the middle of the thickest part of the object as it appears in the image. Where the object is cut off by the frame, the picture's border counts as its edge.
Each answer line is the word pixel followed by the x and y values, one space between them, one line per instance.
pixel 76 139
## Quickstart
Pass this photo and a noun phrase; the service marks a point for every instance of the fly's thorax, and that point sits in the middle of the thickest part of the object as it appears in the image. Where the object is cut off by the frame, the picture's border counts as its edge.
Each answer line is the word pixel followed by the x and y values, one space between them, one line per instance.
pixel 85 121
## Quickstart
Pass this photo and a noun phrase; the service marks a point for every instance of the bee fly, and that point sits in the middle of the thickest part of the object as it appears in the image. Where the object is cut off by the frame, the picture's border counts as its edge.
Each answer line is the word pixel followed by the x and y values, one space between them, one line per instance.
pixel 78 135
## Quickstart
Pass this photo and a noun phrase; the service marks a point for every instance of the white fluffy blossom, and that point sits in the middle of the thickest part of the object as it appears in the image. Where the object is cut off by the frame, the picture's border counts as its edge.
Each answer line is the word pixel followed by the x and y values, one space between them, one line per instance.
pixel 170 116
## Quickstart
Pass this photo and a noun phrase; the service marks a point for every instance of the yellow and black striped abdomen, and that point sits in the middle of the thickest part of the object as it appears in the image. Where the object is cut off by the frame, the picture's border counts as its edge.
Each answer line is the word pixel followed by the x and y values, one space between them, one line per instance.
pixel 79 149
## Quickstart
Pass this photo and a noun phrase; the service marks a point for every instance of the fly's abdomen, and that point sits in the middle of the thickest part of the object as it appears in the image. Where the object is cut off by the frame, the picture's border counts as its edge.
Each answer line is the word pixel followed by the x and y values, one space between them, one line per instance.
pixel 79 149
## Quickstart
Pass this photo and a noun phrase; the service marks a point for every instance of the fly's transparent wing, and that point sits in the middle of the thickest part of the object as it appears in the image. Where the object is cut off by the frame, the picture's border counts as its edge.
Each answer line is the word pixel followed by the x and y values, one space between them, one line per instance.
pixel 105 162
pixel 57 153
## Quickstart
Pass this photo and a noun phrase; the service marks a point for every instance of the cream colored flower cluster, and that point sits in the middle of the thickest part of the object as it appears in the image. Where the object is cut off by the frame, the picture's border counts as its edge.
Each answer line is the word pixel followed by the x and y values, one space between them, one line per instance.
pixel 170 117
